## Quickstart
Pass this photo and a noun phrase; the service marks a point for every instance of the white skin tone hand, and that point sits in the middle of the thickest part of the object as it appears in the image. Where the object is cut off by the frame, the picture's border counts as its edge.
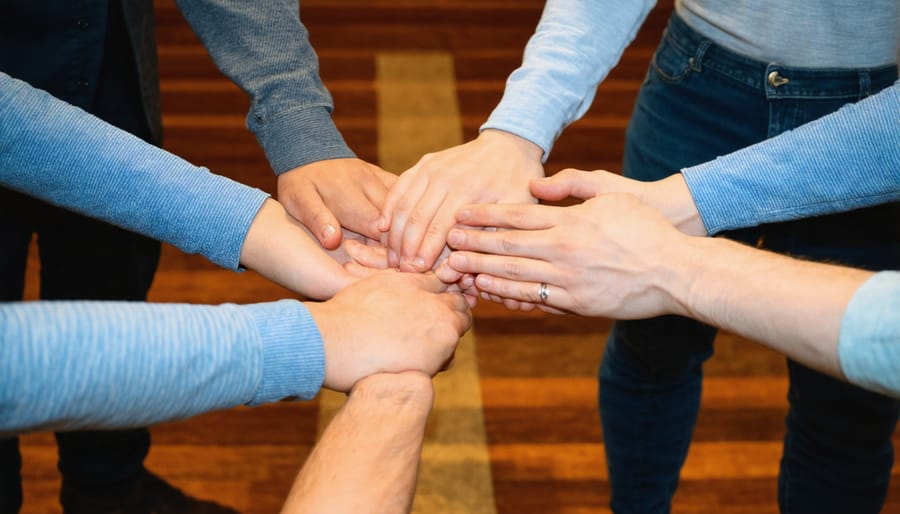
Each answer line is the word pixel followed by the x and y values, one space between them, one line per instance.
pixel 670 196
pixel 276 243
pixel 389 323
pixel 598 258
pixel 420 209
pixel 366 257
pixel 328 195
pixel 617 257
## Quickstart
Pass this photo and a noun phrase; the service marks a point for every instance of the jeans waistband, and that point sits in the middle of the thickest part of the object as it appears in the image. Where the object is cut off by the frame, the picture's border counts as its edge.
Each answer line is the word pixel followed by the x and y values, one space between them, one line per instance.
pixel 776 80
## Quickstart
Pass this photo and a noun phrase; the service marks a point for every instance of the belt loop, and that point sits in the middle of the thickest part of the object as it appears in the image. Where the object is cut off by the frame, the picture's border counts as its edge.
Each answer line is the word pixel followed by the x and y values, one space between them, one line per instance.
pixel 865 84
pixel 697 59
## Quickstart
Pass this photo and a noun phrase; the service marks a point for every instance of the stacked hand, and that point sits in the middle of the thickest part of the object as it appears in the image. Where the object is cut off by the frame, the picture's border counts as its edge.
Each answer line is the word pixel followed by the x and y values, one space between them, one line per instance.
pixel 389 323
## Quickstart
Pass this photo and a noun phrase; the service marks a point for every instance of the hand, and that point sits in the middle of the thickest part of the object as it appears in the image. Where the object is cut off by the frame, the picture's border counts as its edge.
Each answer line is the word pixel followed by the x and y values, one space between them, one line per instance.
pixel 420 208
pixel 389 323
pixel 599 258
pixel 334 193
pixel 281 249
pixel 670 196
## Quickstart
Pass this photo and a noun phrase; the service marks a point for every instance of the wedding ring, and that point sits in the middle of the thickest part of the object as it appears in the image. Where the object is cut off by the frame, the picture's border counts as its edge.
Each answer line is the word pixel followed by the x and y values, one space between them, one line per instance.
pixel 542 292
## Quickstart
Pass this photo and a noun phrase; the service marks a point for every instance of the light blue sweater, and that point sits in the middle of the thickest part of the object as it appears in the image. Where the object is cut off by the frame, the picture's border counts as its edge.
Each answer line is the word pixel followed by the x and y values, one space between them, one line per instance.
pixel 67 365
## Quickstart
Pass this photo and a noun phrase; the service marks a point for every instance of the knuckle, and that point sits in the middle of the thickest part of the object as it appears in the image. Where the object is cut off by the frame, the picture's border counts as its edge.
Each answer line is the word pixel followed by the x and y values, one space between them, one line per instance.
pixel 507 243
pixel 512 269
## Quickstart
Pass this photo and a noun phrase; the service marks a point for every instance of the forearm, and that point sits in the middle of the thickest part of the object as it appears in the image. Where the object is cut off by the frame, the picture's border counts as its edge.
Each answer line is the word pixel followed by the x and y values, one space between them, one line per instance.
pixel 373 469
pixel 574 46
pixel 264 48
pixel 75 365
pixel 847 160
pixel 795 307
pixel 60 154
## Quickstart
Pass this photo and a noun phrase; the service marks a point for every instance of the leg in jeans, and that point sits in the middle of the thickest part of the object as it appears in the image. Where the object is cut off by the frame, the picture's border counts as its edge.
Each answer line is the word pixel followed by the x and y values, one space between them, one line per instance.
pixel 837 448
pixel 650 377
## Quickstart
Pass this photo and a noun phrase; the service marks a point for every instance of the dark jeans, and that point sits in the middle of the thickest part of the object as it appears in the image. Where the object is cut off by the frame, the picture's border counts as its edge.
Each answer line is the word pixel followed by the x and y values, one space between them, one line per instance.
pixel 700 101
pixel 82 259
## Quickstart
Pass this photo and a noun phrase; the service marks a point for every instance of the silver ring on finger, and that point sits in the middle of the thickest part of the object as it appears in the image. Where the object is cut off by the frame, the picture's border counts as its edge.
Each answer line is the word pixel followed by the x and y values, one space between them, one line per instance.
pixel 543 293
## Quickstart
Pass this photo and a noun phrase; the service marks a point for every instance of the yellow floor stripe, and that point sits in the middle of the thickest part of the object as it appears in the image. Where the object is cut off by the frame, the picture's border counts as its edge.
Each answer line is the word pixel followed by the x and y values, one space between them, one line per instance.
pixel 418 113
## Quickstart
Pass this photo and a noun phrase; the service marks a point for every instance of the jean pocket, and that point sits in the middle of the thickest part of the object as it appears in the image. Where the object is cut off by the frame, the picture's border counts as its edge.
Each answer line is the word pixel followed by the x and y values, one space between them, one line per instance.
pixel 670 62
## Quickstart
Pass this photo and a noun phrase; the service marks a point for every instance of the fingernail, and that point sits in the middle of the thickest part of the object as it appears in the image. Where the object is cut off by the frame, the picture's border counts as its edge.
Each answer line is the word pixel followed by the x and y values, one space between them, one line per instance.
pixel 463 214
pixel 455 237
pixel 392 258
pixel 382 222
pixel 483 281
pixel 457 260
pixel 419 263
pixel 328 231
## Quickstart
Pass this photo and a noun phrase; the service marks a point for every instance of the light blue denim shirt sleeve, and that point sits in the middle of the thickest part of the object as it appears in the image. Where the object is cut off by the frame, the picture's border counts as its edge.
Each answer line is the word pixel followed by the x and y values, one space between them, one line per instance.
pixel 575 45
pixel 869 343
pixel 75 365
pixel 61 154
pixel 264 48
pixel 847 160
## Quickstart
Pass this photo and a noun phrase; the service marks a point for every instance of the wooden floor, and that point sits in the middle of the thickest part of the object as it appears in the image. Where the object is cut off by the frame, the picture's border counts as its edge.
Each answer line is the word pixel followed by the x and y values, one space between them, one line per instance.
pixel 537 372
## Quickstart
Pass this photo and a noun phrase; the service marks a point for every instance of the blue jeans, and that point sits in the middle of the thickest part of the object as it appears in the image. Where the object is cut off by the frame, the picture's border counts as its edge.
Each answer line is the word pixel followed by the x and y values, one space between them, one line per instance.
pixel 700 101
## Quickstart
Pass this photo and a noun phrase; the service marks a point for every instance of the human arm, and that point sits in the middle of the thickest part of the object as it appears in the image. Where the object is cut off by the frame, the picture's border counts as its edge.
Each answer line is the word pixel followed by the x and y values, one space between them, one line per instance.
pixel 575 45
pixel 374 470
pixel 60 154
pixel 264 48
pixel 846 160
pixel 634 264
pixel 72 365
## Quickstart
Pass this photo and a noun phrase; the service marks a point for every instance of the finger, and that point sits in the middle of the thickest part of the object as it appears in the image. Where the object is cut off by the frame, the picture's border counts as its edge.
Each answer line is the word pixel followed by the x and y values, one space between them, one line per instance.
pixel 435 241
pixel 520 216
pixel 447 274
pixel 305 204
pixel 399 220
pixel 517 243
pixel 577 183
pixel 524 291
pixel 396 194
pixel 513 268
pixel 427 281
pixel 417 223
pixel 359 271
pixel 366 255
pixel 362 215
pixel 376 191
pixel 551 310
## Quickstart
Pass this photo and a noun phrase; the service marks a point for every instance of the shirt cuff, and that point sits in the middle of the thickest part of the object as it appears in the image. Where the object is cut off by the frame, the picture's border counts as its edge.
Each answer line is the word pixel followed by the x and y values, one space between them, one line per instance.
pixel 293 352
pixel 869 341
pixel 298 137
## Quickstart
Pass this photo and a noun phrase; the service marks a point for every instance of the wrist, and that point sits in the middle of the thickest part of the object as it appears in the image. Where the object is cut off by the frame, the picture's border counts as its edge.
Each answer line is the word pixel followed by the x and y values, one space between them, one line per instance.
pixel 679 272
pixel 674 200
pixel 512 142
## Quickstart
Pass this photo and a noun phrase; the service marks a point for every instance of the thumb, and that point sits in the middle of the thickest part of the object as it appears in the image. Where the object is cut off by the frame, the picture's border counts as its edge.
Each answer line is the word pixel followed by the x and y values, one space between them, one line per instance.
pixel 305 204
pixel 577 183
